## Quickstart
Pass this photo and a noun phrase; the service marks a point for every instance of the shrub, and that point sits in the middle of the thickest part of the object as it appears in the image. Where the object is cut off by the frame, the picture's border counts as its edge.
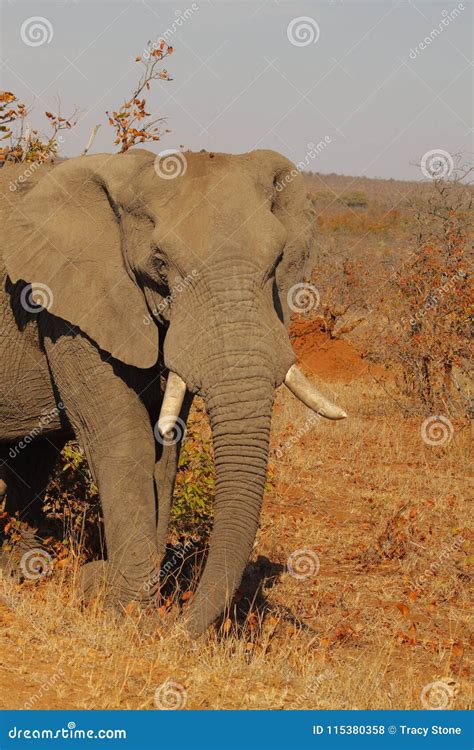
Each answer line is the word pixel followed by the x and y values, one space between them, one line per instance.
pixel 355 199
pixel 194 491
pixel 430 341
pixel 321 196
pixel 23 144
pixel 72 502
pixel 130 120
pixel 376 222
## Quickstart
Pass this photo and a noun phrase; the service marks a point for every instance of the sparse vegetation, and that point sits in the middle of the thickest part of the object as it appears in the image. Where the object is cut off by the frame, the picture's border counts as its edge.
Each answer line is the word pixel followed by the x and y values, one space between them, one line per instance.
pixel 355 199
pixel 130 121
pixel 23 144
pixel 431 295
pixel 357 634
pixel 194 491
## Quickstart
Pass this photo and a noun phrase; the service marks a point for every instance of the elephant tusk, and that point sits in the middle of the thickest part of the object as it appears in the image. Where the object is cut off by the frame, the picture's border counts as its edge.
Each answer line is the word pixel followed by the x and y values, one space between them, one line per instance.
pixel 172 403
pixel 301 387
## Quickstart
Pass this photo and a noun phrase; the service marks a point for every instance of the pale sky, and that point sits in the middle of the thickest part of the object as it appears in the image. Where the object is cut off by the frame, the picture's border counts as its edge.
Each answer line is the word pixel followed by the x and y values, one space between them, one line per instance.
pixel 239 81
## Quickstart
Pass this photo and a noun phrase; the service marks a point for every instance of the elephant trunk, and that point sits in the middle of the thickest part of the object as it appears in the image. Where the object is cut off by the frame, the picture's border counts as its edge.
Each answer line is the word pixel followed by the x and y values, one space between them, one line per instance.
pixel 240 415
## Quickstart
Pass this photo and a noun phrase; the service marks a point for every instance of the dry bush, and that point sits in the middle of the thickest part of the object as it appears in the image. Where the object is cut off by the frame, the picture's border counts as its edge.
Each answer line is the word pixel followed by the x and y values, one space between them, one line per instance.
pixel 375 221
pixel 429 339
pixel 130 121
pixel 355 199
pixel 194 491
pixel 23 144
pixel 342 306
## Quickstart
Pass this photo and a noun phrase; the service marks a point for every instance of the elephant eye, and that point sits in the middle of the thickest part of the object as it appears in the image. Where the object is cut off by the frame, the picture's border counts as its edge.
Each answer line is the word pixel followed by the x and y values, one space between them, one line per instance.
pixel 272 267
pixel 277 186
pixel 160 267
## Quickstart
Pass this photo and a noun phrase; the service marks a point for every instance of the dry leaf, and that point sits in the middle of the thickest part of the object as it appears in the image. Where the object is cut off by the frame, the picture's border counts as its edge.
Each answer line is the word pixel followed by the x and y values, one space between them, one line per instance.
pixel 403 608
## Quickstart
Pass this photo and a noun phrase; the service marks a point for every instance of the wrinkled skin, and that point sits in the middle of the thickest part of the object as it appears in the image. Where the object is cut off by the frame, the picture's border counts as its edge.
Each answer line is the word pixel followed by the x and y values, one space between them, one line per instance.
pixel 111 240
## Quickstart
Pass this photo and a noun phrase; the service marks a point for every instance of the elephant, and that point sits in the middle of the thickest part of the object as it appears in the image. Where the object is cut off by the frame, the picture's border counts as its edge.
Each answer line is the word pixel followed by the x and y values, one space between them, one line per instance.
pixel 125 291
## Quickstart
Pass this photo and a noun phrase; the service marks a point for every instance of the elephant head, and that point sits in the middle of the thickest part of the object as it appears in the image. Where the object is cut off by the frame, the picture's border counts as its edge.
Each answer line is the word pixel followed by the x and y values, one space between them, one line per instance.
pixel 208 255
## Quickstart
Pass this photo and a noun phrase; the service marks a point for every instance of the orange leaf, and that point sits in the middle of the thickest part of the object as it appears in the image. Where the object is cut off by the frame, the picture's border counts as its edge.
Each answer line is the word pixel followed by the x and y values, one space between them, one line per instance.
pixel 131 608
pixel 252 621
pixel 403 608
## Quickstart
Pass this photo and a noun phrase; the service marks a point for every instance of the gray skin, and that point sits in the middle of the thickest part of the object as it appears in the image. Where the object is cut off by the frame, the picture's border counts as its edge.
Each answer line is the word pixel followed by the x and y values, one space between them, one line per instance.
pixel 144 275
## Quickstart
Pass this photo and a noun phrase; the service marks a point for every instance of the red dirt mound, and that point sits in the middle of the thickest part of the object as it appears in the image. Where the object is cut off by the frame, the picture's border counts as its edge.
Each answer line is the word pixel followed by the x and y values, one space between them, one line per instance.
pixel 330 358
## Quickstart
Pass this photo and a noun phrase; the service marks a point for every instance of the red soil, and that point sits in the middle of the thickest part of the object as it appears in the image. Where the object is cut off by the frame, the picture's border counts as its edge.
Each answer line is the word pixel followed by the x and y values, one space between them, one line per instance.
pixel 330 358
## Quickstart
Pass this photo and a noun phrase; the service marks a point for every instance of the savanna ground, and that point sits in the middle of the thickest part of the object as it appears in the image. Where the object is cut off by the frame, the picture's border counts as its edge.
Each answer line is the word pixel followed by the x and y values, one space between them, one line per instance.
pixel 357 594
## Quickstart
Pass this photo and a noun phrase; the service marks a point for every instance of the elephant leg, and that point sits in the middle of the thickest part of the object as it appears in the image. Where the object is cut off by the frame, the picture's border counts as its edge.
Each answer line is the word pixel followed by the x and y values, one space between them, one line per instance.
pixel 165 475
pixel 113 426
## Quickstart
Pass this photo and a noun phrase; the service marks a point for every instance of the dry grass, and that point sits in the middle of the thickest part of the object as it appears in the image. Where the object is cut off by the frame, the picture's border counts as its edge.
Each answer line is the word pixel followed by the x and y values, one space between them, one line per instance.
pixel 374 503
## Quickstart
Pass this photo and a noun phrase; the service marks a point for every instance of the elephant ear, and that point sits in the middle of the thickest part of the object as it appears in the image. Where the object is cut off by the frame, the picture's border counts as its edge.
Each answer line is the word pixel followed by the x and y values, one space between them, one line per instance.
pixel 65 239
pixel 293 208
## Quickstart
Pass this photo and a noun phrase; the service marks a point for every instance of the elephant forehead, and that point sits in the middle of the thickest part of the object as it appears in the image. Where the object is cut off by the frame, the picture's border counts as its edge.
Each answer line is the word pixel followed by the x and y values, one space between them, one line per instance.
pixel 219 202
pixel 203 219
pixel 188 175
